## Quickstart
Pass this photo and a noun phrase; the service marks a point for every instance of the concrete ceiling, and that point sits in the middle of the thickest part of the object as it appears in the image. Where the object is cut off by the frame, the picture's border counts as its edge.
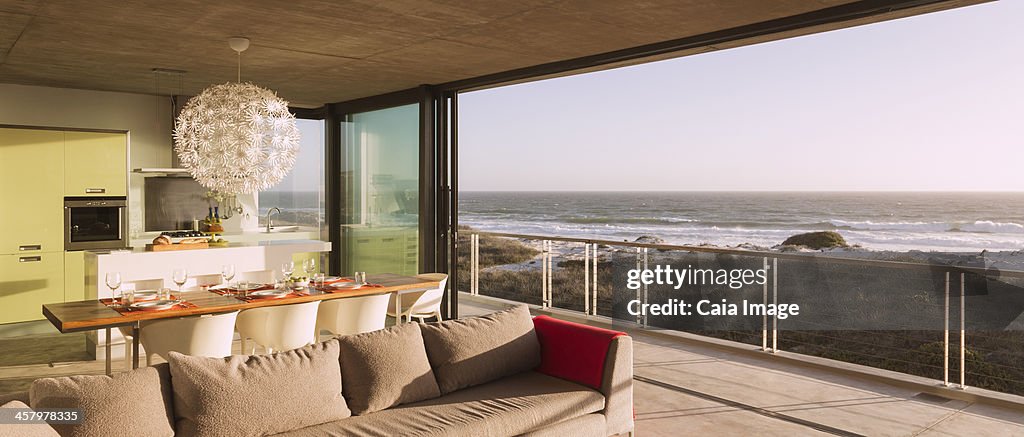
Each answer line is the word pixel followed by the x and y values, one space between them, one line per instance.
pixel 314 52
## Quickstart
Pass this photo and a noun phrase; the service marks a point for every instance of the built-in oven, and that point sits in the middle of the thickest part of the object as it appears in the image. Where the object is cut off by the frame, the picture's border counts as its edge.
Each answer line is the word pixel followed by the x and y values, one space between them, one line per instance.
pixel 95 223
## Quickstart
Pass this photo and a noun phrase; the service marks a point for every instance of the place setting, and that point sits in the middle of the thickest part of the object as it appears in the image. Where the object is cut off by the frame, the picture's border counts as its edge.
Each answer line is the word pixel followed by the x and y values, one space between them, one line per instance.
pixel 131 301
pixel 342 284
pixel 249 291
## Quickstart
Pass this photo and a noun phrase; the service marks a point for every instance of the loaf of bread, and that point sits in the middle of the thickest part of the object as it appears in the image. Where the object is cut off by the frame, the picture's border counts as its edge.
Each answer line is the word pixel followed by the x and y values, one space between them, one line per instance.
pixel 162 239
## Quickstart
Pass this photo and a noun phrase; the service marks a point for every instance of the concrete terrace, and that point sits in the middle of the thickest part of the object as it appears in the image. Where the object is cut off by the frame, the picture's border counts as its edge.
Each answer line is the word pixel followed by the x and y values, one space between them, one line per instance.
pixel 682 387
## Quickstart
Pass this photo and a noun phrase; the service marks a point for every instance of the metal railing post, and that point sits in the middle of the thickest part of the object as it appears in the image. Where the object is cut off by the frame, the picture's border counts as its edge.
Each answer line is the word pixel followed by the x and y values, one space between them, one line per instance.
pixel 638 289
pixel 945 341
pixel 544 274
pixel 645 287
pixel 775 300
pixel 474 260
pixel 593 305
pixel 963 345
pixel 586 278
pixel 764 318
pixel 551 274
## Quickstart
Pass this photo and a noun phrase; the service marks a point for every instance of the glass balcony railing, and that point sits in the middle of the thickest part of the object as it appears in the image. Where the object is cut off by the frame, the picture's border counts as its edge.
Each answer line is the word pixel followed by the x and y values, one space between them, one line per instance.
pixel 958 321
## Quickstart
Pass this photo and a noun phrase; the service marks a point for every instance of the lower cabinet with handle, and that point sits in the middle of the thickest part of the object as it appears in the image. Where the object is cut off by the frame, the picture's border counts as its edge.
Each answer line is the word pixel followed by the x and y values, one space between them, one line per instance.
pixel 27 281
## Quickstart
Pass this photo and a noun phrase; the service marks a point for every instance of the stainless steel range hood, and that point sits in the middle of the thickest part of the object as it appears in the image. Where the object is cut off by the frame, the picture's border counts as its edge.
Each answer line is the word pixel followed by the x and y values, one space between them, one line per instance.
pixel 177 103
pixel 161 171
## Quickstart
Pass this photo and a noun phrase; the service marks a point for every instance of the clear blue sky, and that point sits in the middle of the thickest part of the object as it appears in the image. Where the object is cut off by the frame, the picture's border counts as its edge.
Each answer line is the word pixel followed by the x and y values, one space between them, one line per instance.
pixel 933 102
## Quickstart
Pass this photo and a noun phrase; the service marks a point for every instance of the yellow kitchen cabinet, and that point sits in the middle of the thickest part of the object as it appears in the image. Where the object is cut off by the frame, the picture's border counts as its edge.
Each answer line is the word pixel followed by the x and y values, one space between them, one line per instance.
pixel 27 281
pixel 74 276
pixel 31 191
pixel 96 164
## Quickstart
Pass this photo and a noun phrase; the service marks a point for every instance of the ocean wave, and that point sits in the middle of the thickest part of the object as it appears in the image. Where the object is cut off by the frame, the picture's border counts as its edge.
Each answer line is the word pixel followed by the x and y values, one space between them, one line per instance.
pixel 624 220
pixel 988 226
pixel 979 226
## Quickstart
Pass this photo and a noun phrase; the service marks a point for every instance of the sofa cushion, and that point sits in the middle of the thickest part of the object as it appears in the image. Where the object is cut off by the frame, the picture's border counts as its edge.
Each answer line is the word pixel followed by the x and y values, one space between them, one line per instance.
pixel 475 350
pixel 573 351
pixel 247 395
pixel 384 368
pixel 144 393
pixel 510 406
pixel 8 429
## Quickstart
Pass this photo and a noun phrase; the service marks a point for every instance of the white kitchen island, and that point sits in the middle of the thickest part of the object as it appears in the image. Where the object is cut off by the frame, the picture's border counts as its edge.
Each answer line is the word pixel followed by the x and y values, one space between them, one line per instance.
pixel 140 265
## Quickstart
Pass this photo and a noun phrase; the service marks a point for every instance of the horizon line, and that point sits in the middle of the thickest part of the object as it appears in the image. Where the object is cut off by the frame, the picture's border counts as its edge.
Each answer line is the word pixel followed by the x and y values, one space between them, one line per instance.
pixel 739 191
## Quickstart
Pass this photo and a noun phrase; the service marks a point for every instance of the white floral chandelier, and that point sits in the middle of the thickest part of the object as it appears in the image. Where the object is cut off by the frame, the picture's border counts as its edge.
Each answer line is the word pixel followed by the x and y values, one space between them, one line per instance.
pixel 237 138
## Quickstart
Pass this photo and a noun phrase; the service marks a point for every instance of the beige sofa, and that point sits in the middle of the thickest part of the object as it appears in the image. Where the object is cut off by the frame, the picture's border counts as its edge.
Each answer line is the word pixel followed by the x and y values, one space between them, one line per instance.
pixel 478 376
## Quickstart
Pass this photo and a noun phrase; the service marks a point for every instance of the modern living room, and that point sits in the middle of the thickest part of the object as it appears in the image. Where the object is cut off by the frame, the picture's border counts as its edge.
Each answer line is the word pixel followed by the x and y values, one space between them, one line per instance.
pixel 485 218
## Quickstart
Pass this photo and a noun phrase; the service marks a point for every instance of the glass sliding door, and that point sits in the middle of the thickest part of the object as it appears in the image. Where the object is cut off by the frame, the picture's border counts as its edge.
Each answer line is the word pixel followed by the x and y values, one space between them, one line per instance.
pixel 380 191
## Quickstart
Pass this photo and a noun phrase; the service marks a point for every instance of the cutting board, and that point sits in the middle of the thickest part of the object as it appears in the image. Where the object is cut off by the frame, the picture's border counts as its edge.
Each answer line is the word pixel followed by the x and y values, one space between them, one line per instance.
pixel 178 246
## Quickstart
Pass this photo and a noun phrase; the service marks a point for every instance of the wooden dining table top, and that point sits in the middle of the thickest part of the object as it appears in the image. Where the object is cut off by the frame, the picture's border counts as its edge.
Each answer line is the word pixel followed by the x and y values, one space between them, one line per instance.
pixel 88 315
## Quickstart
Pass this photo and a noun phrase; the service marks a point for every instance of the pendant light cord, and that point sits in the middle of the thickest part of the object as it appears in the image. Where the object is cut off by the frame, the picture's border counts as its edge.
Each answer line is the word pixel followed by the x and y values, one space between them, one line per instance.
pixel 239 67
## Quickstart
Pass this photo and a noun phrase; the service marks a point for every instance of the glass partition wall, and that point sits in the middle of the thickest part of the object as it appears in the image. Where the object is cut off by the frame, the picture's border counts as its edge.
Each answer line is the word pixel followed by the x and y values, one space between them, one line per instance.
pixel 379 202
pixel 387 184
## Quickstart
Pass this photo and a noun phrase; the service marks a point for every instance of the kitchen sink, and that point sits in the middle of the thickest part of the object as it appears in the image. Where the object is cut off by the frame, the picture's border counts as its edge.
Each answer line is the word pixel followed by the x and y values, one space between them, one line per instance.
pixel 279 229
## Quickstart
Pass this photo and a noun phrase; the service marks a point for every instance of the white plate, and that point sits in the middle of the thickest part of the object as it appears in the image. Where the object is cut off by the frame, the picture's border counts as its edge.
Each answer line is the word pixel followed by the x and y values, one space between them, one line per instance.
pixel 267 294
pixel 156 304
pixel 346 285
pixel 145 295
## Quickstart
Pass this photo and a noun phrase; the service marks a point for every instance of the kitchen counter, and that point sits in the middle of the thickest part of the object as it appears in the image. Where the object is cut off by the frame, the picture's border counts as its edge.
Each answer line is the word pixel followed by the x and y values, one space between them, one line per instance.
pixel 313 245
pixel 139 265
pixel 242 237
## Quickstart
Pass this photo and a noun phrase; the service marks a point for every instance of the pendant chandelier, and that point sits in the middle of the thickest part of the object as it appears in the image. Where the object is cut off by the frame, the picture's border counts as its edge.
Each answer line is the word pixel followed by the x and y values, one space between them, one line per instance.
pixel 237 138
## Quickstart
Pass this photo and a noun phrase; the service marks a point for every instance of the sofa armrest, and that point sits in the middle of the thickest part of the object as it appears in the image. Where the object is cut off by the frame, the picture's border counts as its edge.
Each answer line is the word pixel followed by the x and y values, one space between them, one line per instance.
pixel 592 356
pixel 617 386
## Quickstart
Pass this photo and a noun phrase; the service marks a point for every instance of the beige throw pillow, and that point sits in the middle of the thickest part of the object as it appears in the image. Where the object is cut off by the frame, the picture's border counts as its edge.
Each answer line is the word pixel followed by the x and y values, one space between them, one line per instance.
pixel 8 429
pixel 136 403
pixel 384 368
pixel 476 350
pixel 250 395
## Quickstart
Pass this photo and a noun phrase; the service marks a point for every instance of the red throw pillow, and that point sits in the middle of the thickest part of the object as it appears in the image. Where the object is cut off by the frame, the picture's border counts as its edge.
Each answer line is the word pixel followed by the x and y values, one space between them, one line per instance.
pixel 573 351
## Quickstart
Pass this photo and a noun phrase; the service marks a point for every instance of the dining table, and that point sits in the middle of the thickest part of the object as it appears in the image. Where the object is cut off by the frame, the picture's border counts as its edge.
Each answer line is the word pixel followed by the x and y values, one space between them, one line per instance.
pixel 94 314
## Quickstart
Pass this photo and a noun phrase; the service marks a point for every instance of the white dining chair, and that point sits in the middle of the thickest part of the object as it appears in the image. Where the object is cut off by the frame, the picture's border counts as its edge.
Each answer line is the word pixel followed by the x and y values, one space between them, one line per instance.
pixel 352 315
pixel 126 331
pixel 257 276
pixel 420 305
pixel 205 336
pixel 278 328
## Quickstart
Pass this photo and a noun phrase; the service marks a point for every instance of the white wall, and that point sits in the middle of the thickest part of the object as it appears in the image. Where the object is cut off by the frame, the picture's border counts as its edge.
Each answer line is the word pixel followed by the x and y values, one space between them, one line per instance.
pixel 147 119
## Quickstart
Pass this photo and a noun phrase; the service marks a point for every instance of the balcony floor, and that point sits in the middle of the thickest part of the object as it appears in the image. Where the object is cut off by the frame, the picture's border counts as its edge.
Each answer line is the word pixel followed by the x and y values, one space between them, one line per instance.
pixel 687 389
pixel 682 388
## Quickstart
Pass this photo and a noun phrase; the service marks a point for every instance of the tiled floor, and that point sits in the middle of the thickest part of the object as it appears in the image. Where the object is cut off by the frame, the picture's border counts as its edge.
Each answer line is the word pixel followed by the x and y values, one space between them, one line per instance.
pixel 687 389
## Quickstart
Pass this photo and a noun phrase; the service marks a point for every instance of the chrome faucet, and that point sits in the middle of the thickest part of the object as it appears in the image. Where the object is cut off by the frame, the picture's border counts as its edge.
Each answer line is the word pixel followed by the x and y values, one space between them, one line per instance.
pixel 270 223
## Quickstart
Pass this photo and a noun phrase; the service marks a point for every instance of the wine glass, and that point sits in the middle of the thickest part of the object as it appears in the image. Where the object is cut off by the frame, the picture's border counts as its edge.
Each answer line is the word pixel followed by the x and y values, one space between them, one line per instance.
pixel 309 266
pixel 227 271
pixel 287 269
pixel 113 280
pixel 179 276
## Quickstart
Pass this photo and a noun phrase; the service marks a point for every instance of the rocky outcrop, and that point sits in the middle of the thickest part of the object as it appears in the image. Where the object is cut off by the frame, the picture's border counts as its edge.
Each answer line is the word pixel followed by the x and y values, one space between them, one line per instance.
pixel 817 240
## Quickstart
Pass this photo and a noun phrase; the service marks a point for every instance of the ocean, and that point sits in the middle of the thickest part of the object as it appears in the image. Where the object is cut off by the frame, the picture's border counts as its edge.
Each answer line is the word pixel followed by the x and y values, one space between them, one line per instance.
pixel 898 221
